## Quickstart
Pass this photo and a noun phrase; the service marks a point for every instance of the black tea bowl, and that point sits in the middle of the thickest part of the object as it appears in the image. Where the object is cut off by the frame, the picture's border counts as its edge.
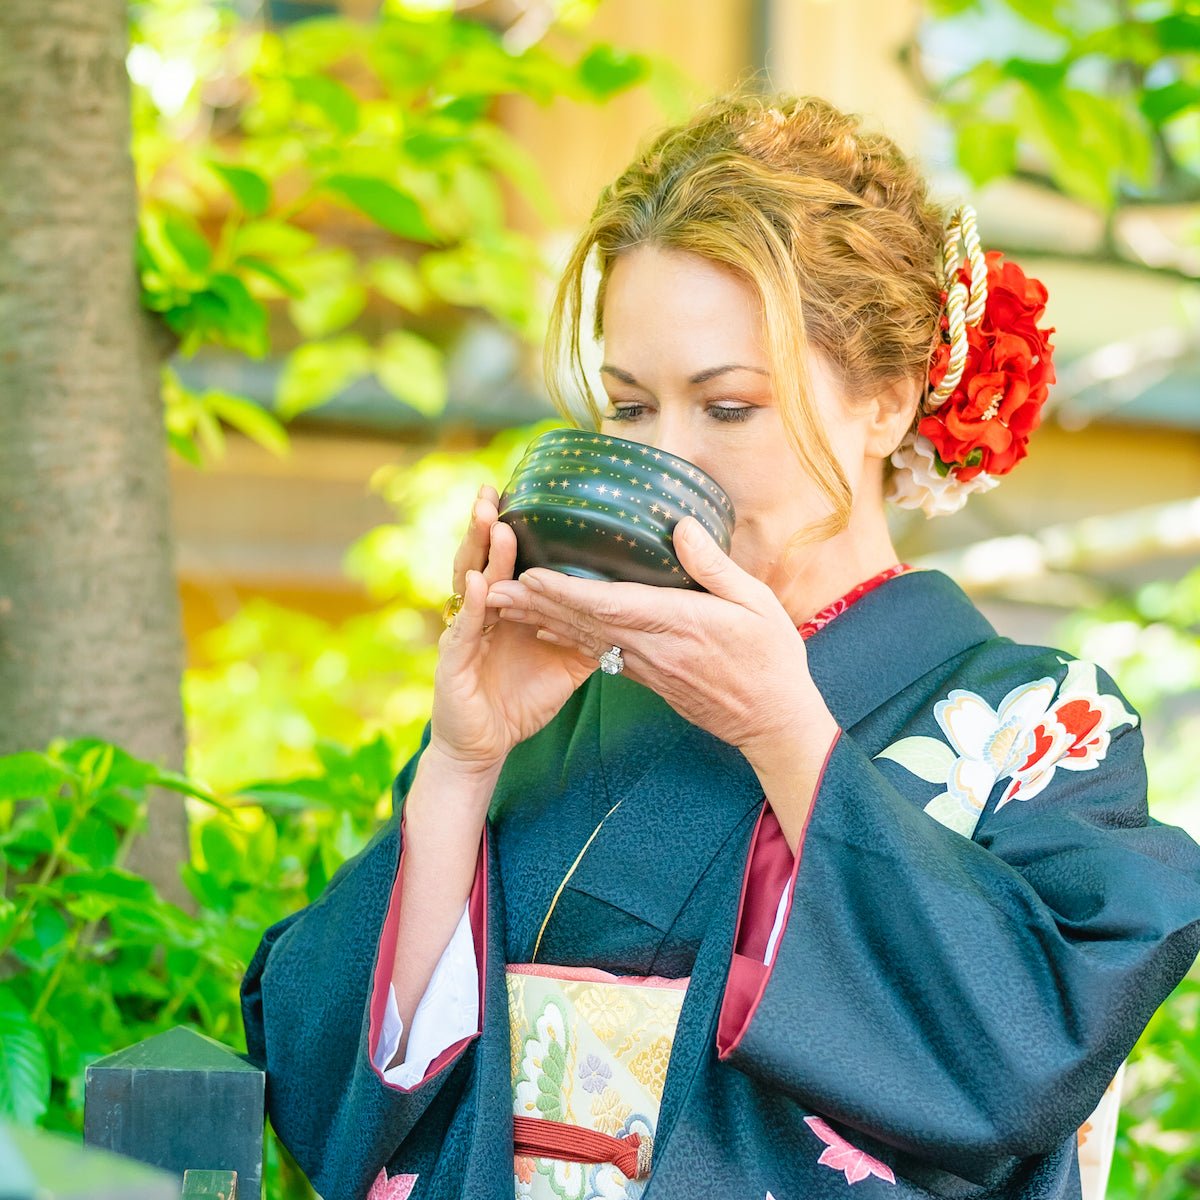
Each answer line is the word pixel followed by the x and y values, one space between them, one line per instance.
pixel 604 507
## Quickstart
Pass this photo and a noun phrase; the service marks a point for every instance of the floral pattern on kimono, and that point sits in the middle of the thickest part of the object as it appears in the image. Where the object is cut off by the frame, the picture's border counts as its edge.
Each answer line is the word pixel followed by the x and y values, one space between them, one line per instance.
pixel 1036 729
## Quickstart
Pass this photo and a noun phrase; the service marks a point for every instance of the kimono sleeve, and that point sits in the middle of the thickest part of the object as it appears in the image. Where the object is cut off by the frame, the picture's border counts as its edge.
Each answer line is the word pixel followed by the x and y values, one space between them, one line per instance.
pixel 969 998
pixel 313 1001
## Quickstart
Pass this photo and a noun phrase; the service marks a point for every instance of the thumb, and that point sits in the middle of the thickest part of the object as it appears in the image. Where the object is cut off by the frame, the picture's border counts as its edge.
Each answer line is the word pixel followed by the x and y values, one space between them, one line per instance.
pixel 709 565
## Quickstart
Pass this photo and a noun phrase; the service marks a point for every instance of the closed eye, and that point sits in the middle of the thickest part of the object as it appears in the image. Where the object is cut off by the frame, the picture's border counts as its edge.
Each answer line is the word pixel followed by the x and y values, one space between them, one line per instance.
pixel 727 413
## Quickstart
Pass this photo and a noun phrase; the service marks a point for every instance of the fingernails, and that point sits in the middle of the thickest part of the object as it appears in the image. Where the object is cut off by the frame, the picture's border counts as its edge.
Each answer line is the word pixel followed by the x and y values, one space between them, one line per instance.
pixel 498 600
pixel 532 582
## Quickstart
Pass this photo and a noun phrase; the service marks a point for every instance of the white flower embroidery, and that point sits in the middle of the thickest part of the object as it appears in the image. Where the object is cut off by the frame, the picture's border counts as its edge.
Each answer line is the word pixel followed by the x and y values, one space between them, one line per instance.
pixel 1026 739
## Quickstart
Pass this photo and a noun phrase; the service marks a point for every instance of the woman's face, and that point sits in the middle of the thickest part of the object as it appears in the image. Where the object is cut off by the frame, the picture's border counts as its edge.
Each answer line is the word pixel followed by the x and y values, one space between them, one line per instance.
pixel 686 370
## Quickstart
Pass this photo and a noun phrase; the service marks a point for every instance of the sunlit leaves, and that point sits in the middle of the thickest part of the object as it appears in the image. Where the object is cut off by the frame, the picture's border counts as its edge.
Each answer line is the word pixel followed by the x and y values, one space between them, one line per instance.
pixel 391 121
pixel 317 371
pixel 605 70
pixel 384 203
pixel 412 370
pixel 1086 106
pixel 250 189
pixel 194 420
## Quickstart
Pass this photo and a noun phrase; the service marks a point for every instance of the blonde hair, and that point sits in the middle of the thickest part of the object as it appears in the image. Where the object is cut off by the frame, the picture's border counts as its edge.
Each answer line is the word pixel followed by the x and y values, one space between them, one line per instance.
pixel 833 227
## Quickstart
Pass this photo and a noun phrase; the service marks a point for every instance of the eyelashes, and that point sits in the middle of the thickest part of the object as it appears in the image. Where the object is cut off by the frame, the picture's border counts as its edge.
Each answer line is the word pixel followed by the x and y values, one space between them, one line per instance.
pixel 722 413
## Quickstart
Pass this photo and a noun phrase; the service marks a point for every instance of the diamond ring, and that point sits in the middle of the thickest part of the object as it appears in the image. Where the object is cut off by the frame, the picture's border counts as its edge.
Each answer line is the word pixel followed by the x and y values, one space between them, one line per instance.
pixel 611 662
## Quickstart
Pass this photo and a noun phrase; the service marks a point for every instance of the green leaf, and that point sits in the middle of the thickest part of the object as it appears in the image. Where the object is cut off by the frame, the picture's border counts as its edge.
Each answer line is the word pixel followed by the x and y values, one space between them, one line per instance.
pixel 185 447
pixel 317 371
pixel 1072 158
pixel 399 281
pixel 189 243
pixel 29 774
pixel 412 370
pixel 1179 32
pixel 1040 13
pixel 384 203
pixel 271 239
pixel 223 848
pixel 948 810
pixel 336 102
pixel 258 266
pixel 320 311
pixel 251 419
pixel 926 757
pixel 252 191
pixel 986 149
pixel 604 70
pixel 1159 105
pixel 24 1066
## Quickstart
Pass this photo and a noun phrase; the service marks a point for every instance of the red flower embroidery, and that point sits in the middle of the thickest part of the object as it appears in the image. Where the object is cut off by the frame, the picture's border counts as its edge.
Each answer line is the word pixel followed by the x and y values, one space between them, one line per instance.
pixel 984 425
pixel 842 1156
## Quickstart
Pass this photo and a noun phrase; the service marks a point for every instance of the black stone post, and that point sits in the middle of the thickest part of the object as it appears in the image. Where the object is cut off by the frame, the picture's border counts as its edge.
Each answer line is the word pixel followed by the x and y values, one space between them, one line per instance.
pixel 182 1101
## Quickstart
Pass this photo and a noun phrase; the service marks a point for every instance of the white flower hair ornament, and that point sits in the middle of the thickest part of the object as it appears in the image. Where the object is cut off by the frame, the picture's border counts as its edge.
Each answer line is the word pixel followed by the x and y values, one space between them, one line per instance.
pixel 989 375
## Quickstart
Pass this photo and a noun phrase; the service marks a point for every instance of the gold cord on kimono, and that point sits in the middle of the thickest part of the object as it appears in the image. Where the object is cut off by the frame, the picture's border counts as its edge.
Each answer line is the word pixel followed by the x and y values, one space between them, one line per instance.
pixel 567 876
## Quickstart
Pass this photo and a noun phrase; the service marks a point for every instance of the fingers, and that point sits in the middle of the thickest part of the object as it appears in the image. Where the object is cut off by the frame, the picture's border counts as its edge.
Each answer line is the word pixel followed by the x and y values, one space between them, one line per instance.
pixel 711 567
pixel 461 638
pixel 473 550
pixel 502 556
pixel 598 602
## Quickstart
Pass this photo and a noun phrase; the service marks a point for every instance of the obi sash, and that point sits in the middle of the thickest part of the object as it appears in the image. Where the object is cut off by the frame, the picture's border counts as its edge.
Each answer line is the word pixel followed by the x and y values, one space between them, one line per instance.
pixel 589 1063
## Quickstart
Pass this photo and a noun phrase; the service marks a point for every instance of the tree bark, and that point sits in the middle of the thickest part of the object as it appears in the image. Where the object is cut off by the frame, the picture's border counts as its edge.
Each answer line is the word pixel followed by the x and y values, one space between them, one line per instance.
pixel 90 635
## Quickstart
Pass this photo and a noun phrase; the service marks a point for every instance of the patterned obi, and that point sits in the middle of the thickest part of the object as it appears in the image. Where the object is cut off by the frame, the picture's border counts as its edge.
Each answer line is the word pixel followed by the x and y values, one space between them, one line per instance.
pixel 589 1062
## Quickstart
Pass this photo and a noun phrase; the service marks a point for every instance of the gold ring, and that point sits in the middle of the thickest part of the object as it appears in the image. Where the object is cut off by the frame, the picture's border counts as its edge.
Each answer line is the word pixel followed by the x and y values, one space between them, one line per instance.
pixel 451 608
pixel 489 628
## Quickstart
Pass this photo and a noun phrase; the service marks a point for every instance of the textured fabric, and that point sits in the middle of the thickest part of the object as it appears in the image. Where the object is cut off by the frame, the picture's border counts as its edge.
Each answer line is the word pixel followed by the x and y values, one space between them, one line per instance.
pixel 589 1049
pixel 448 1009
pixel 943 1009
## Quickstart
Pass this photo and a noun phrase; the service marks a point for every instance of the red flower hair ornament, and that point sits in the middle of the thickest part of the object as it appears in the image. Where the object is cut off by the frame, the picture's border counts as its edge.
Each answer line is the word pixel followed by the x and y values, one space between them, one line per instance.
pixel 989 375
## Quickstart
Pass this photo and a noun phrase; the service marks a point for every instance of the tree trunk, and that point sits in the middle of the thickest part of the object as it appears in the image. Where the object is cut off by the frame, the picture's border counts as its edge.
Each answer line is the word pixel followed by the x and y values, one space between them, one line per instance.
pixel 90 640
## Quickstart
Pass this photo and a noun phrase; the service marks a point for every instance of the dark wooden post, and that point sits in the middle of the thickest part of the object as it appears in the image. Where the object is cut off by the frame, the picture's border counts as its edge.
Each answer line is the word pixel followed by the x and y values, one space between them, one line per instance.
pixel 38 1165
pixel 182 1101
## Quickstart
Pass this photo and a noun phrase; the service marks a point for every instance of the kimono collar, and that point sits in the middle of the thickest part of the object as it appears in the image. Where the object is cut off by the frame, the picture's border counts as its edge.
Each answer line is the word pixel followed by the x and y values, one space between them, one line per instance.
pixel 888 638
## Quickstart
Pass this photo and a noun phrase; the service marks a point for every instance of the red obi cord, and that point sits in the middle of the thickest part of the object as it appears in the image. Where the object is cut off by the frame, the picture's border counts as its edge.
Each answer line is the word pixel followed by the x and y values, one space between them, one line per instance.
pixel 556 1139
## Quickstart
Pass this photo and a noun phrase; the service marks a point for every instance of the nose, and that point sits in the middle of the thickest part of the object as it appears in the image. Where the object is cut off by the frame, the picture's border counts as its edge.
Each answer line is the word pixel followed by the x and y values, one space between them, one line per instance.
pixel 672 436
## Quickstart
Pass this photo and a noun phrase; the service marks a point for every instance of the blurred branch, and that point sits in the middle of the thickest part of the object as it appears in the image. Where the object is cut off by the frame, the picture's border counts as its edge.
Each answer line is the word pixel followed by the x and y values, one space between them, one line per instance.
pixel 1032 564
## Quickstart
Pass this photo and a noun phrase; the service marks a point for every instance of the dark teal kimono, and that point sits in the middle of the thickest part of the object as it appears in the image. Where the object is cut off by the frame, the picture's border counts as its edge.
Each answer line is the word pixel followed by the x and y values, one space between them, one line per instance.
pixel 950 999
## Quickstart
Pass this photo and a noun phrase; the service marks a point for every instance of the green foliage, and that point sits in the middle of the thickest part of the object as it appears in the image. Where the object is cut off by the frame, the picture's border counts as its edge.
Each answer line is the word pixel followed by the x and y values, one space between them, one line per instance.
pixel 92 959
pixel 291 177
pixel 1150 641
pixel 1103 100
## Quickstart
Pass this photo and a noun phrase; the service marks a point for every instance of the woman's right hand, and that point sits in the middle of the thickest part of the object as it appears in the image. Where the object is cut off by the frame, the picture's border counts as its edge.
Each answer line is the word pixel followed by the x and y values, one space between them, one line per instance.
pixel 492 690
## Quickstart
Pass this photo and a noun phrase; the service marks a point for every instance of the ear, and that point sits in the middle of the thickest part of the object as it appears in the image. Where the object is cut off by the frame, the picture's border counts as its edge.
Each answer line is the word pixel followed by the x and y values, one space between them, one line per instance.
pixel 891 416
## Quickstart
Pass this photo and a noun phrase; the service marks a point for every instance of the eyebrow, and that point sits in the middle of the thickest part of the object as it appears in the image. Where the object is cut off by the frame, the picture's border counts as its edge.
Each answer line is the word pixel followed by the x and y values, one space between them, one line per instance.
pixel 700 376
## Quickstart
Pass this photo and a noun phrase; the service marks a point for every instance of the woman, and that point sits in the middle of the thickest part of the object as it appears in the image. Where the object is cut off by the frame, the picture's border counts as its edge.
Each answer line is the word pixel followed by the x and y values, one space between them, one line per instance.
pixel 900 867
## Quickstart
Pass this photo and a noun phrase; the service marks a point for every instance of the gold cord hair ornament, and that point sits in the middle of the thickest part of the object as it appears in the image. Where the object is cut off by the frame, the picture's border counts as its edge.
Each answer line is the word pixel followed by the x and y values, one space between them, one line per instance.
pixel 974 424
pixel 962 308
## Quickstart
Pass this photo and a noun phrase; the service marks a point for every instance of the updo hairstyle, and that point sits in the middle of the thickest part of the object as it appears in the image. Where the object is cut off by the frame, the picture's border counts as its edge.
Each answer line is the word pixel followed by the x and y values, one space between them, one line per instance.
pixel 831 224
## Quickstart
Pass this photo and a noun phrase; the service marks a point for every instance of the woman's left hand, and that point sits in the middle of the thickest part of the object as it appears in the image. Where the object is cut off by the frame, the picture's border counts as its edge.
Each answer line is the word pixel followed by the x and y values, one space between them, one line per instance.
pixel 730 660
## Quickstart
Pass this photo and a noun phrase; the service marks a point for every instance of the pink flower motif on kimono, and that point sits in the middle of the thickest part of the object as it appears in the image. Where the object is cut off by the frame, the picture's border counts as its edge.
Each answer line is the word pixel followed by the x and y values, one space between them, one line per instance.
pixel 1026 738
pixel 398 1187
pixel 840 1155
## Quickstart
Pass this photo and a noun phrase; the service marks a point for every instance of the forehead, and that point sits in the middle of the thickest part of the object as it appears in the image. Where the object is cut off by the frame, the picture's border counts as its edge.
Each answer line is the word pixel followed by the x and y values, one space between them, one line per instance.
pixel 674 306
